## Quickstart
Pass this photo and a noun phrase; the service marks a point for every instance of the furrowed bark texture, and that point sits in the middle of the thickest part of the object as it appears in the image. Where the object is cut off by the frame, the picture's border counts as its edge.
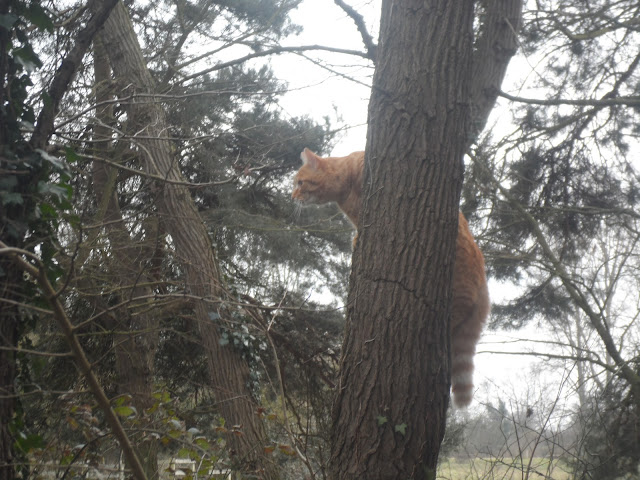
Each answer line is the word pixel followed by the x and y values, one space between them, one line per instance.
pixel 10 289
pixel 64 74
pixel 496 43
pixel 136 342
pixel 389 413
pixel 229 372
pixel 11 286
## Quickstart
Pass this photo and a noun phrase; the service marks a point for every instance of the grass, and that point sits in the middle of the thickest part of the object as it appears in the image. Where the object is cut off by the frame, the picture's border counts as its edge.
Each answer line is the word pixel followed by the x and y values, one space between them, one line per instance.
pixel 502 469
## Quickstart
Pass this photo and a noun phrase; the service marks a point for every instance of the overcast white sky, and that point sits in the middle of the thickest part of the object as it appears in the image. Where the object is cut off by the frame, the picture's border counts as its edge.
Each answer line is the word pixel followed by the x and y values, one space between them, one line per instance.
pixel 318 92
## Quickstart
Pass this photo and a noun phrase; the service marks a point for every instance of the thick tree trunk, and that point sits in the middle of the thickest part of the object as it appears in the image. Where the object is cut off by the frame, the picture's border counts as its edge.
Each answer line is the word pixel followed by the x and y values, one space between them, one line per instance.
pixel 496 43
pixel 64 74
pixel 390 409
pixel 229 372
pixel 10 283
pixel 137 341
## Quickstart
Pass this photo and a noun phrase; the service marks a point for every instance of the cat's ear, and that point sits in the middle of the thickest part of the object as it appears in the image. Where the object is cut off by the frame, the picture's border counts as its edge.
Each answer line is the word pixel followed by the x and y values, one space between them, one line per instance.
pixel 309 158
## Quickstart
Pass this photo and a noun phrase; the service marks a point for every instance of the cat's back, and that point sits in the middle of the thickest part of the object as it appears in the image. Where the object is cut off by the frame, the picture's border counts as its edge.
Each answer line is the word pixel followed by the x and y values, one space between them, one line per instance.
pixel 349 172
pixel 470 281
pixel 467 247
pixel 353 164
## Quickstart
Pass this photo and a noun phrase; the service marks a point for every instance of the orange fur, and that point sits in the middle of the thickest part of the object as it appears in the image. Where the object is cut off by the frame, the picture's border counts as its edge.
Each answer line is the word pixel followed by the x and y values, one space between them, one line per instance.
pixel 339 179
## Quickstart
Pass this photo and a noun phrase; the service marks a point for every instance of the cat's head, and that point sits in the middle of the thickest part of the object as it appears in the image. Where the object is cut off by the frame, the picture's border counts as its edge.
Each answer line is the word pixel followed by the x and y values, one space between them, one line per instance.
pixel 310 183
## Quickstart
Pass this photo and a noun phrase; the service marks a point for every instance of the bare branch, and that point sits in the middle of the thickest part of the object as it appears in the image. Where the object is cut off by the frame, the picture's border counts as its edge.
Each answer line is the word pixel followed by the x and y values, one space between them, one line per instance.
pixel 576 37
pixel 494 47
pixel 68 67
pixel 367 39
pixel 555 356
pixel 162 179
pixel 36 352
pixel 604 102
pixel 273 51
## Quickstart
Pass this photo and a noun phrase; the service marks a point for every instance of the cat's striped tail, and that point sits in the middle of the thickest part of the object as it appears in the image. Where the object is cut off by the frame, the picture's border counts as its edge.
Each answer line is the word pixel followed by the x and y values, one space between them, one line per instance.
pixel 464 338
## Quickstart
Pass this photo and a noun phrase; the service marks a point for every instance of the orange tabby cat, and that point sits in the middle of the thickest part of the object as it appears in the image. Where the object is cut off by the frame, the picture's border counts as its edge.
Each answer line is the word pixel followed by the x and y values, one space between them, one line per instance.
pixel 339 179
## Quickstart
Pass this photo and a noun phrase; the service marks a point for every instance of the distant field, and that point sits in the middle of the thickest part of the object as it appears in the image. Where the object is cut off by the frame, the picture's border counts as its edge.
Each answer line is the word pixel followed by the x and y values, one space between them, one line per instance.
pixel 501 469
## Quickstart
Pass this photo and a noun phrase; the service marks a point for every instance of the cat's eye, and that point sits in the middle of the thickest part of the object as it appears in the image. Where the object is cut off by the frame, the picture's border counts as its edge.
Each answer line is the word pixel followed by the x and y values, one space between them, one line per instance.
pixel 300 182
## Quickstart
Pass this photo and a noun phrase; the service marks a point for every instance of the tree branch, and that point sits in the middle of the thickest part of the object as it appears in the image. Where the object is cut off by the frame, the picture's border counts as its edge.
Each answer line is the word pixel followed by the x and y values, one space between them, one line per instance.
pixel 576 37
pixel 604 102
pixel 555 356
pixel 494 47
pixel 61 80
pixel 274 51
pixel 367 39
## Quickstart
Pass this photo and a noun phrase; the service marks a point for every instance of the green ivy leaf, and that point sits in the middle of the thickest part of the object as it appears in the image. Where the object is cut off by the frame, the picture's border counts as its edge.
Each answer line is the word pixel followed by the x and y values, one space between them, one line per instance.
pixel 28 443
pixel 187 453
pixel 124 411
pixel 402 428
pixel 26 57
pixel 47 211
pixel 71 155
pixel 202 443
pixel 122 399
pixel 39 17
pixel 381 420
pixel 162 396
pixel 11 198
pixel 55 161
pixel 61 192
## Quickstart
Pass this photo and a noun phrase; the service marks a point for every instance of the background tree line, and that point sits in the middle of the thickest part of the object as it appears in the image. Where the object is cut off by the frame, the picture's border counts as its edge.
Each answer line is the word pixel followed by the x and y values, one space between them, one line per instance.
pixel 145 181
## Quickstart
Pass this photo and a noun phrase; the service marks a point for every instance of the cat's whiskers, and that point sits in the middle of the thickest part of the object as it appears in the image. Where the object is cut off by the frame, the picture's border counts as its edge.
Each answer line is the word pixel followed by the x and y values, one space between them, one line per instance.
pixel 297 210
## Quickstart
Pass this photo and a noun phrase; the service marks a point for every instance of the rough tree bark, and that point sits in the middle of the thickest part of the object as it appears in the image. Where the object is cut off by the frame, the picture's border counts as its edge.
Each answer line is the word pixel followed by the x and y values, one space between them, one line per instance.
pixel 494 46
pixel 9 321
pixel 44 127
pixel 11 286
pixel 136 342
pixel 389 415
pixel 429 100
pixel 228 371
